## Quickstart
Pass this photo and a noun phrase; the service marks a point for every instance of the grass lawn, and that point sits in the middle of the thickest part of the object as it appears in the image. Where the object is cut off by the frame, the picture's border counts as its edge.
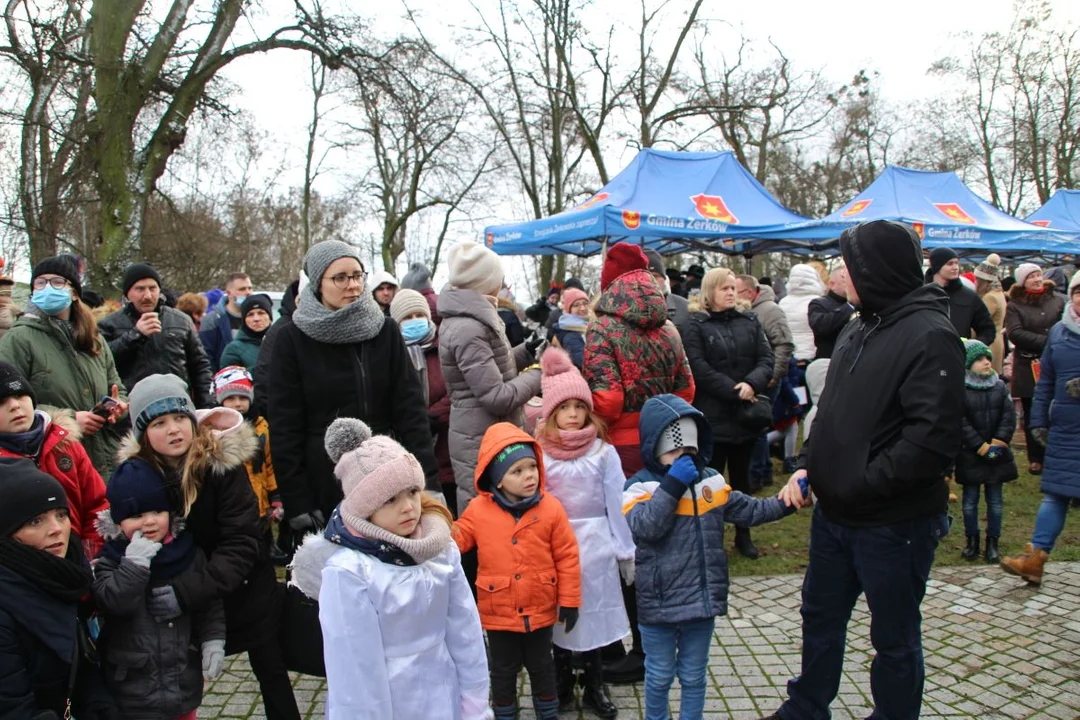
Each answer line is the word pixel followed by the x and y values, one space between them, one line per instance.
pixel 783 544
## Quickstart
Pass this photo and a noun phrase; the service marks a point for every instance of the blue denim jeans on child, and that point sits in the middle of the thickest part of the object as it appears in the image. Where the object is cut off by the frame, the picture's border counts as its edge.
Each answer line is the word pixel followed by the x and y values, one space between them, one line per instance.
pixel 995 507
pixel 891 564
pixel 680 649
pixel 1050 521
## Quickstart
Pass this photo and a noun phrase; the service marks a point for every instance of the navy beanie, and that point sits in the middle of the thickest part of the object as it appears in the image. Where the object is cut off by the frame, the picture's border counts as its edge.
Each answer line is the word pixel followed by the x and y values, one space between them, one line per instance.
pixel 505 459
pixel 136 488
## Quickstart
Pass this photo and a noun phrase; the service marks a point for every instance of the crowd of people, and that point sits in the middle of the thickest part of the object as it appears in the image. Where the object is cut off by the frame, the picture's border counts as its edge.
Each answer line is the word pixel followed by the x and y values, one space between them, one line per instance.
pixel 463 489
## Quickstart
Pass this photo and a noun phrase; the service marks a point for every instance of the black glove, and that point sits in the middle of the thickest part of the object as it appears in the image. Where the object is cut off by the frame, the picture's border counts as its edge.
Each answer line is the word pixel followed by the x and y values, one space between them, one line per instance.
pixel 308 522
pixel 568 617
pixel 534 342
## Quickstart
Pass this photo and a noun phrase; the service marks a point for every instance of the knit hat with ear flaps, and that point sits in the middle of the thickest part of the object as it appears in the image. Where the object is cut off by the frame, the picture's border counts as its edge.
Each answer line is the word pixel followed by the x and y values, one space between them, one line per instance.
pixel 475 267
pixel 372 469
pixel 621 258
pixel 990 268
pixel 974 350
pixel 561 381
pixel 683 433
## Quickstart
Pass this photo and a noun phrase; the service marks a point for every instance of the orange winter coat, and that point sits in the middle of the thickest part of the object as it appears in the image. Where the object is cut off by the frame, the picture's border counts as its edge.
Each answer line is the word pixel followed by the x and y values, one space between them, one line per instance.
pixel 528 568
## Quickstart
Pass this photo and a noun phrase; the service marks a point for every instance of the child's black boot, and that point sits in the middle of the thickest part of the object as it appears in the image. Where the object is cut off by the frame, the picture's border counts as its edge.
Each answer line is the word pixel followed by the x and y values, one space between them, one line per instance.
pixel 992 555
pixel 595 695
pixel 971 551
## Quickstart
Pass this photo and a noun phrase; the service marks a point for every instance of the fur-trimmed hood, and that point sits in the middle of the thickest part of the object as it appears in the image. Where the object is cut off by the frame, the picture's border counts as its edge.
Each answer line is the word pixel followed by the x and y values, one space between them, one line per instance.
pixel 308 563
pixel 1017 293
pixel 109 530
pixel 228 444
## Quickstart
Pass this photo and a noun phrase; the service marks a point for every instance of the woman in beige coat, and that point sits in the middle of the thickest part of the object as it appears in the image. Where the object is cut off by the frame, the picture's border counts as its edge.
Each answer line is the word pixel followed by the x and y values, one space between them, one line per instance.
pixel 988 287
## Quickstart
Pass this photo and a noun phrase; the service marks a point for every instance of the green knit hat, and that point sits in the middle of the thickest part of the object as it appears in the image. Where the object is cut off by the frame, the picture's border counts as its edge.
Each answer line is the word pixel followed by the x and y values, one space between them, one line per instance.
pixel 975 350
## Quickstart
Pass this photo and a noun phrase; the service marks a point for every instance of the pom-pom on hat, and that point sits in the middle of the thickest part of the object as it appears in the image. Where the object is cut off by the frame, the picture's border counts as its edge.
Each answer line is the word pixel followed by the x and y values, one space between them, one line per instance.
pixel 232 381
pixel 974 350
pixel 990 268
pixel 683 433
pixel 561 381
pixel 372 468
pixel 571 296
pixel 621 258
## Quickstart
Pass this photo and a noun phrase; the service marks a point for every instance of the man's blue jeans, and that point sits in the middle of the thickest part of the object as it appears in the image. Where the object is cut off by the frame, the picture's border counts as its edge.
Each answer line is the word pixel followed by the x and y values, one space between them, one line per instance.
pixel 679 649
pixel 891 564
pixel 1049 521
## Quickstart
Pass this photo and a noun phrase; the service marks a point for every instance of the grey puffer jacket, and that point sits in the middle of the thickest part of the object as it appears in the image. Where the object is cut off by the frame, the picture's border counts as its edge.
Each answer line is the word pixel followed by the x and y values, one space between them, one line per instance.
pixel 481 373
pixel 154 670
pixel 682 570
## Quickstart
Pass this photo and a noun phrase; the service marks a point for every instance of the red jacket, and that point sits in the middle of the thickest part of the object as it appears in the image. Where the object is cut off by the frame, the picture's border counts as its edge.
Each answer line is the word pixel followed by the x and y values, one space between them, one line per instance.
pixel 63 457
pixel 528 568
pixel 632 353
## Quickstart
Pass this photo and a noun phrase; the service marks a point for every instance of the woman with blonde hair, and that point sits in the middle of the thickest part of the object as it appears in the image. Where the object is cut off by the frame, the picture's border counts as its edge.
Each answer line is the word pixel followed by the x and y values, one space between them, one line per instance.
pixel 988 287
pixel 732 364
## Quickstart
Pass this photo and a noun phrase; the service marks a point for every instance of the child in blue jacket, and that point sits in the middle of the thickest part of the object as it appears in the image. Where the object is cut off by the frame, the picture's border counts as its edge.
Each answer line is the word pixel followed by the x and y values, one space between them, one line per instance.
pixel 676 508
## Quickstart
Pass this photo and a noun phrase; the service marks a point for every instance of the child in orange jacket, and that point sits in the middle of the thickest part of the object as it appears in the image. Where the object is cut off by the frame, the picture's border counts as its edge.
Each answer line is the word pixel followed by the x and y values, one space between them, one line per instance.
pixel 529 576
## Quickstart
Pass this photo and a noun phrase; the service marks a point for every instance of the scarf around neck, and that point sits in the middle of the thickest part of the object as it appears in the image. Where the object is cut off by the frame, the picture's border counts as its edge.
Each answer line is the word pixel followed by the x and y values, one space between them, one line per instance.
pixel 572 322
pixel 67 579
pixel 572 444
pixel 28 444
pixel 980 382
pixel 418 349
pixel 430 538
pixel 175 556
pixel 357 322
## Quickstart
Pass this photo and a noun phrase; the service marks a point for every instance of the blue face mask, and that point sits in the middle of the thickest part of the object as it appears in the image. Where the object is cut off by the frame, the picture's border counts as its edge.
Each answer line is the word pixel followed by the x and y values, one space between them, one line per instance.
pixel 415 330
pixel 51 300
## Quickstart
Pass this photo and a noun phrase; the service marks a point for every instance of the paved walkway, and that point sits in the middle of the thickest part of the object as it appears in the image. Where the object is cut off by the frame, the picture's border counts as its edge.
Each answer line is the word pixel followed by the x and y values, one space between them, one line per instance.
pixel 995 648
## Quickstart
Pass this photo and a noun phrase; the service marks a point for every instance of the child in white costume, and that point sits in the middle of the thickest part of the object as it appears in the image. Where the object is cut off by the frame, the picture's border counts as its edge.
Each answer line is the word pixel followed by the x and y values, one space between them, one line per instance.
pixel 401 633
pixel 585 474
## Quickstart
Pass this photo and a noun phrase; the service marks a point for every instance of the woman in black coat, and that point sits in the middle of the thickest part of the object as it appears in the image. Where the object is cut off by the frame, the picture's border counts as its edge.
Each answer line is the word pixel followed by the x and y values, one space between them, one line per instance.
pixel 44 672
pixel 985 460
pixel 339 357
pixel 732 364
pixel 204 473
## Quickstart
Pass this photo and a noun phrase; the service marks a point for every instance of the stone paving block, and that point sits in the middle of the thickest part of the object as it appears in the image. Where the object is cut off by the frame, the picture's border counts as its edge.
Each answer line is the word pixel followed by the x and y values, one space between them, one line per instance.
pixel 996 649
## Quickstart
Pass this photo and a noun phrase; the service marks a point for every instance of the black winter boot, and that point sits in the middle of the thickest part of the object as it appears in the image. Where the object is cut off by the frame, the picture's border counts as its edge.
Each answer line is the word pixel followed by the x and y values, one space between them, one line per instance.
pixel 992 555
pixel 595 695
pixel 971 551
pixel 564 678
pixel 744 544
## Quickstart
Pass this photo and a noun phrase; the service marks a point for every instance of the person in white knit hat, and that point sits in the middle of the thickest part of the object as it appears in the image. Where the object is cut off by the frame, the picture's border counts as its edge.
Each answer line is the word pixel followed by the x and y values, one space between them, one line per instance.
pixel 480 367
pixel 988 288
pixel 401 632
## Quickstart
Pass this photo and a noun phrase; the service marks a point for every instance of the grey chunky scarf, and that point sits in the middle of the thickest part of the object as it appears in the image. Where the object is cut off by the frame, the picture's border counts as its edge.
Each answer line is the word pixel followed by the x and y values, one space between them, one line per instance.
pixel 360 321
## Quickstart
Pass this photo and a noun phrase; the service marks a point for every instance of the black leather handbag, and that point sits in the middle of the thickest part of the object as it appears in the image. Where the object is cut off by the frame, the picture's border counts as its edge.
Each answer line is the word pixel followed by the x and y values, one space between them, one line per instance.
pixel 755 416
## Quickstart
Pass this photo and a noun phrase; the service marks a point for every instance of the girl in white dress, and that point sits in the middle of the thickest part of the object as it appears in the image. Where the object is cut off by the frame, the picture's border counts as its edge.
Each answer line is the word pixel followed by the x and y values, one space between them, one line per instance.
pixel 585 474
pixel 401 633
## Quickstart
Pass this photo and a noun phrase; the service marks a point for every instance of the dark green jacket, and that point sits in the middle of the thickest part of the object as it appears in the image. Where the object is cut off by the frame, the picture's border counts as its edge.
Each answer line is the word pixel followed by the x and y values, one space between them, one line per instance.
pixel 41 347
pixel 244 350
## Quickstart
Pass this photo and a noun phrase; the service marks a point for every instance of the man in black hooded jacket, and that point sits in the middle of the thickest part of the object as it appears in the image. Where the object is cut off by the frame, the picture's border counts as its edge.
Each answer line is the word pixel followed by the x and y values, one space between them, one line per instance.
pixel 966 309
pixel 888 426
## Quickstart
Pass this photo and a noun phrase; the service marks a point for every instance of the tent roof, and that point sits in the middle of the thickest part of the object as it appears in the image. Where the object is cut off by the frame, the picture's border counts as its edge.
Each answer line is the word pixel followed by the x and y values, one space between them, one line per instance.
pixel 945 212
pixel 668 201
pixel 1061 212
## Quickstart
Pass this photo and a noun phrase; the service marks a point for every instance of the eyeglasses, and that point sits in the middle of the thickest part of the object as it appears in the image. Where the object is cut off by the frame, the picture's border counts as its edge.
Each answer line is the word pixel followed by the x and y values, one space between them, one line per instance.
pixel 57 282
pixel 342 280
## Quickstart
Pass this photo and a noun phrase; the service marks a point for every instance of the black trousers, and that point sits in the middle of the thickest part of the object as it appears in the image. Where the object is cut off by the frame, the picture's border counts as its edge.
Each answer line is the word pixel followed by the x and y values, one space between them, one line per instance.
pixel 736 459
pixel 508 651
pixel 268 664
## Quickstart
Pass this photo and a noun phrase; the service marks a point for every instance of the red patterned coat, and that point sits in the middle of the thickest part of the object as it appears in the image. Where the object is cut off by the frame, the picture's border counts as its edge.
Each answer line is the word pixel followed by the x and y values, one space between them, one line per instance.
pixel 633 353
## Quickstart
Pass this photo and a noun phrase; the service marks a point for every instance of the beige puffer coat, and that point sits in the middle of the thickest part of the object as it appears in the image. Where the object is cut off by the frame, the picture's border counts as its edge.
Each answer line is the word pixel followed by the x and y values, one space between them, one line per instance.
pixel 481 372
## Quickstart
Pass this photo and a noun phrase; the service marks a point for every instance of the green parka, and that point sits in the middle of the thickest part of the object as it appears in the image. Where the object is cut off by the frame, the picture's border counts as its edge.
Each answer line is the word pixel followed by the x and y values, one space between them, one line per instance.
pixel 43 350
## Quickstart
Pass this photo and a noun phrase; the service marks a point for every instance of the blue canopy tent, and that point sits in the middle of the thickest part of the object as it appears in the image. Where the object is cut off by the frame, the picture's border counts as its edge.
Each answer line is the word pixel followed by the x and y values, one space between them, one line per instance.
pixel 1061 212
pixel 946 213
pixel 669 201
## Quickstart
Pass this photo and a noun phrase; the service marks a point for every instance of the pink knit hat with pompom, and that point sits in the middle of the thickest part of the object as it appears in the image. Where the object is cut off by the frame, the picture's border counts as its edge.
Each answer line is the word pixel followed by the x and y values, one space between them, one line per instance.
pixel 372 469
pixel 561 381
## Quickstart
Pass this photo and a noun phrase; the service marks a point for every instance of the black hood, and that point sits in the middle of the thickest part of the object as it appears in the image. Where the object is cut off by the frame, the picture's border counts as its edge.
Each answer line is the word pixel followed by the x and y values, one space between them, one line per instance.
pixel 288 300
pixel 884 260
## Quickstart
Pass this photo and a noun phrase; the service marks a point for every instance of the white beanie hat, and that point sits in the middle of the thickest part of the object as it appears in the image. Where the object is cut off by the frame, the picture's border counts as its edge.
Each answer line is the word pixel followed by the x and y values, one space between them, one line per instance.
pixel 1074 284
pixel 1022 272
pixel 474 267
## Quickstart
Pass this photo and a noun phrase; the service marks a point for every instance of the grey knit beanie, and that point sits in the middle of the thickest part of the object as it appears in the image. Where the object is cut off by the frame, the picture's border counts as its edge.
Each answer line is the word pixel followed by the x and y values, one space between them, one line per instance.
pixel 322 255
pixel 157 395
pixel 418 277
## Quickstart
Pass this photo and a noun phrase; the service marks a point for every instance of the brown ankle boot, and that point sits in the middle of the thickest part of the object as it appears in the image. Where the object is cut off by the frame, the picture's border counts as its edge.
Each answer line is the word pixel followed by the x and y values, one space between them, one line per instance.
pixel 1028 565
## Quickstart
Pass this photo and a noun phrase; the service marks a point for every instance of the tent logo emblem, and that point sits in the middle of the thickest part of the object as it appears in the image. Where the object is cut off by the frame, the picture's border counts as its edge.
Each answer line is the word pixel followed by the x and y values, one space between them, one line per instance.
pixel 712 207
pixel 857 208
pixel 920 229
pixel 595 199
pixel 490 239
pixel 954 212
pixel 1041 223
pixel 631 219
